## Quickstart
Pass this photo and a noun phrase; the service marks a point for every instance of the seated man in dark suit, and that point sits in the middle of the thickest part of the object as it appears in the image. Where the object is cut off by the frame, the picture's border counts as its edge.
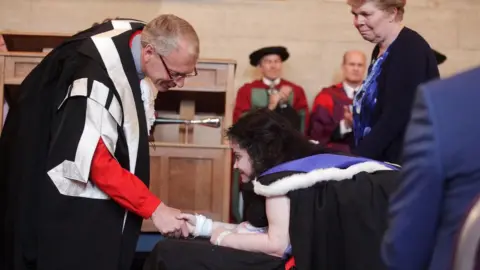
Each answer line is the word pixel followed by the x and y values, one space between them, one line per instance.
pixel 440 177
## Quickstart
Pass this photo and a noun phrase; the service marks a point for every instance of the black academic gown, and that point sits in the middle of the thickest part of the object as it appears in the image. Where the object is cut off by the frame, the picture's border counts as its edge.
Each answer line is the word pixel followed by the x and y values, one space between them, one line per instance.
pixel 337 217
pixel 53 216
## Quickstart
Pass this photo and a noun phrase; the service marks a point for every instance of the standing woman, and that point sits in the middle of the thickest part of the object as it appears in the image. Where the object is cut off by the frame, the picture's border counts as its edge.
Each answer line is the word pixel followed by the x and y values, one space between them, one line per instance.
pixel 401 61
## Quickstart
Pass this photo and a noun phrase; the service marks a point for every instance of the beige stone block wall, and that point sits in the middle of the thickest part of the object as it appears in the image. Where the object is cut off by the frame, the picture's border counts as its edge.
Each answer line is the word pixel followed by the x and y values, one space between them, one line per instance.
pixel 317 32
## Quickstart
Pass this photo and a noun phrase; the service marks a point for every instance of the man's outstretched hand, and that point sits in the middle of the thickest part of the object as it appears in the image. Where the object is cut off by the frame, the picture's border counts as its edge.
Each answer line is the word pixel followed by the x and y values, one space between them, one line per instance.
pixel 165 220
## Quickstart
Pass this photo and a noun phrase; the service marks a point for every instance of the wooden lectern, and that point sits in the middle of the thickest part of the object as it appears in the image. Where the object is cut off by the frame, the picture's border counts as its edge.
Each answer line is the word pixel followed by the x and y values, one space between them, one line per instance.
pixel 190 165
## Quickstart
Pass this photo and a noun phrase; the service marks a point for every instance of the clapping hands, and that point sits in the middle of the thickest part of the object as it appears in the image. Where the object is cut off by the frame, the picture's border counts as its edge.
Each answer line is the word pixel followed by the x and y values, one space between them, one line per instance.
pixel 348 116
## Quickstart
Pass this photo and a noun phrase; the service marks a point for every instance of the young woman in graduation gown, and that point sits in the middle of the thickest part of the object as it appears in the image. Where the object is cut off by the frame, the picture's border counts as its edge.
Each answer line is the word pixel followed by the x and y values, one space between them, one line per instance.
pixel 305 206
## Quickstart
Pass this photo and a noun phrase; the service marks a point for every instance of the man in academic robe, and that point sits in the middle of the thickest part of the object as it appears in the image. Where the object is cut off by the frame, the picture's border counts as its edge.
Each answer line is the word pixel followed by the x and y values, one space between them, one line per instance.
pixel 74 156
pixel 273 91
pixel 331 118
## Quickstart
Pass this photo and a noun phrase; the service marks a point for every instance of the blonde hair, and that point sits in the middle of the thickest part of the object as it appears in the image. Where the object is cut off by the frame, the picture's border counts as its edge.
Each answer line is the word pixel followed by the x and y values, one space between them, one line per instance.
pixel 165 31
pixel 386 5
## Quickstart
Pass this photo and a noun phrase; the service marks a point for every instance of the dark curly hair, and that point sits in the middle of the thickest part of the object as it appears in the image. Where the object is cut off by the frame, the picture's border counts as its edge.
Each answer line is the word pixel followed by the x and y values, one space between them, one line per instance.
pixel 270 140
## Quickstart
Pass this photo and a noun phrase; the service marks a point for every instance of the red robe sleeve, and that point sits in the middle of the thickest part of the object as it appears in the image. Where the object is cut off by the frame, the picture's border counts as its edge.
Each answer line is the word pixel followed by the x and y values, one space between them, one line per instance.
pixel 242 102
pixel 300 104
pixel 322 123
pixel 122 186
pixel 324 100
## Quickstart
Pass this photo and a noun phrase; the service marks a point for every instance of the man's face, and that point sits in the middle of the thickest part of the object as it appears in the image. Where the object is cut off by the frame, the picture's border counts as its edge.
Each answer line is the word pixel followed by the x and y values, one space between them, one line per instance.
pixel 354 67
pixel 168 71
pixel 271 66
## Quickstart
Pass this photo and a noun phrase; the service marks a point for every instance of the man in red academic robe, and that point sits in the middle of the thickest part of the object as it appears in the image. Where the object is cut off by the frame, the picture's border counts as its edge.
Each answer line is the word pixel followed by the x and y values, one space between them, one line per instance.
pixel 331 118
pixel 272 91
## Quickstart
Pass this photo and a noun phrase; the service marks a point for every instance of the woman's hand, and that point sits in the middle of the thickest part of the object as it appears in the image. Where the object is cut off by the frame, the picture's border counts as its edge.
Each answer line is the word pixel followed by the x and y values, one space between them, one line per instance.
pixel 190 220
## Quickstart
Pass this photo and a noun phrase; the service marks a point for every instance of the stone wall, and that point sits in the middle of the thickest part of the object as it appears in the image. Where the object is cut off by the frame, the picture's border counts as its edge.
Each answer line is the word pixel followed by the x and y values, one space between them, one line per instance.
pixel 316 32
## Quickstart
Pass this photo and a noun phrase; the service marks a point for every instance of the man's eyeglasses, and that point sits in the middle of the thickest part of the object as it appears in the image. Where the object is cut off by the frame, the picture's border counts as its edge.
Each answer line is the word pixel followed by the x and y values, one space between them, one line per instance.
pixel 173 75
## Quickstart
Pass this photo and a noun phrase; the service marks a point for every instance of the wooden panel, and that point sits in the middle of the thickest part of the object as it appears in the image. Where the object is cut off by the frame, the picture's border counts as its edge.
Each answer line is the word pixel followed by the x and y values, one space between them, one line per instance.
pixel 17 68
pixel 212 77
pixel 193 179
pixel 158 187
pixel 32 42
pixel 187 112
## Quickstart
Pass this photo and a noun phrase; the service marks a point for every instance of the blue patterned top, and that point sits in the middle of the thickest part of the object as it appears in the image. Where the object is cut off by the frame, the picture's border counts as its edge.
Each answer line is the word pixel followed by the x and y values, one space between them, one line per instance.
pixel 366 99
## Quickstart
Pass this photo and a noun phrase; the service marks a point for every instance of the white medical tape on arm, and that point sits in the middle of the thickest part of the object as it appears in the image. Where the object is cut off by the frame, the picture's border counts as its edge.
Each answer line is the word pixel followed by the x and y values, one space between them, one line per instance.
pixel 203 226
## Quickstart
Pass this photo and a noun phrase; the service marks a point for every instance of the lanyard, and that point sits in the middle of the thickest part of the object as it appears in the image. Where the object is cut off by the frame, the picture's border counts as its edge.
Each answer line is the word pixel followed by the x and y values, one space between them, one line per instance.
pixel 360 95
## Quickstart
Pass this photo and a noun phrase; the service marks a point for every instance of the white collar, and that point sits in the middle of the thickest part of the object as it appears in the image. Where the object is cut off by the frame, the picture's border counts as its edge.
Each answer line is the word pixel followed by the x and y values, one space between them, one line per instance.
pixel 349 90
pixel 270 82
pixel 149 94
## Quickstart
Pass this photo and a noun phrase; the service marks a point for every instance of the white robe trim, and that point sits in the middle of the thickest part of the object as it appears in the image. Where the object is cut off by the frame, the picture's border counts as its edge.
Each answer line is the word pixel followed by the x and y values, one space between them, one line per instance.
pixel 305 180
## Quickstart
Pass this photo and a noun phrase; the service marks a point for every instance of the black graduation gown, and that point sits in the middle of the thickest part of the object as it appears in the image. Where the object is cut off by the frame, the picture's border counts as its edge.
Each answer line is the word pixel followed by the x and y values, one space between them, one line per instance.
pixel 340 225
pixel 53 216
pixel 337 217
pixel 337 220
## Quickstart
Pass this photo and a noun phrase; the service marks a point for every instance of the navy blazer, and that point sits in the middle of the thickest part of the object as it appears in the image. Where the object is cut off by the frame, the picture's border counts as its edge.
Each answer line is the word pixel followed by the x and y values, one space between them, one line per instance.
pixel 410 63
pixel 440 177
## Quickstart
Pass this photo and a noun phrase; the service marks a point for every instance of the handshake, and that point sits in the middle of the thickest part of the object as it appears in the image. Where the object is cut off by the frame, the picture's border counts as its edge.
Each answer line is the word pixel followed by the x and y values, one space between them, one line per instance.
pixel 170 222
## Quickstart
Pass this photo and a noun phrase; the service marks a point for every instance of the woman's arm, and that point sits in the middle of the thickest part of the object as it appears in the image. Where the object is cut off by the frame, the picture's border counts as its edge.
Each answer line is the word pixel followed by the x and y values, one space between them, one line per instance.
pixel 227 226
pixel 201 226
pixel 276 240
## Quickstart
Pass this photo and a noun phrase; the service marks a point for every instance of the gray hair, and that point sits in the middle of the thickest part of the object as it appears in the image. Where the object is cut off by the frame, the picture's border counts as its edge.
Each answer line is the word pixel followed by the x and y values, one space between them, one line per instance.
pixel 386 5
pixel 165 31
